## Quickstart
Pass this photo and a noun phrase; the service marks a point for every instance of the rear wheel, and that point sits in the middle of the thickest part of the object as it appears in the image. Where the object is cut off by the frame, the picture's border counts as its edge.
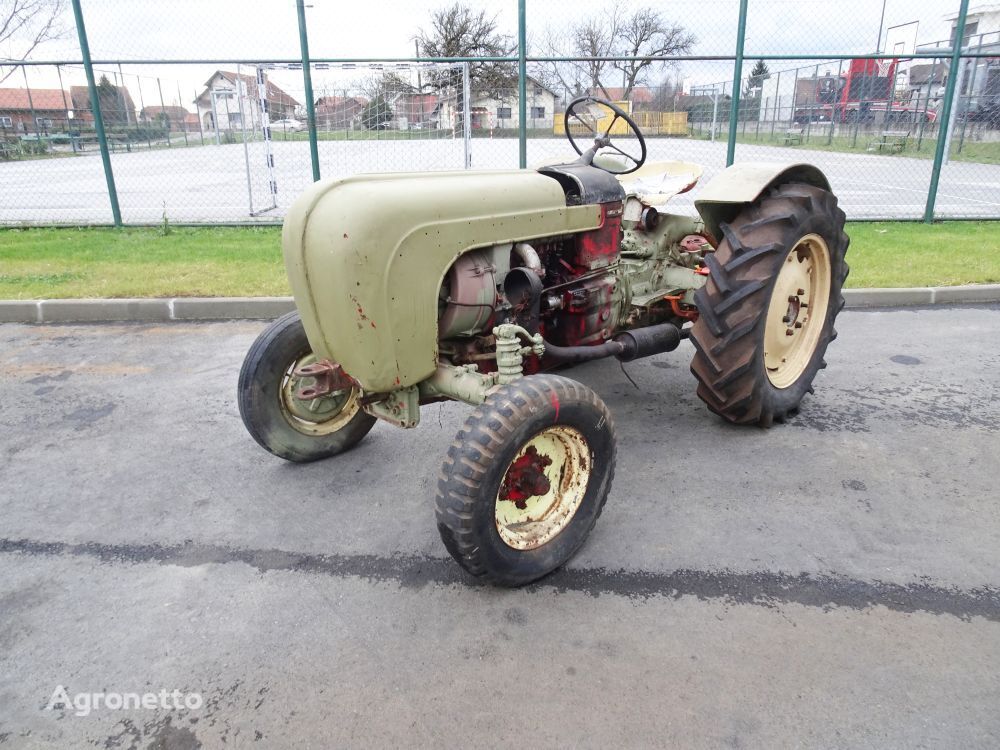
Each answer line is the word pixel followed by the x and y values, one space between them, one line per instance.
pixel 526 479
pixel 766 315
pixel 295 429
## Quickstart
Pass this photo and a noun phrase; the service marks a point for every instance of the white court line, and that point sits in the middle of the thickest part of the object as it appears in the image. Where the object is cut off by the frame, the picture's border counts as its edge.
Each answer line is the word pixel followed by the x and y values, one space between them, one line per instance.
pixel 940 194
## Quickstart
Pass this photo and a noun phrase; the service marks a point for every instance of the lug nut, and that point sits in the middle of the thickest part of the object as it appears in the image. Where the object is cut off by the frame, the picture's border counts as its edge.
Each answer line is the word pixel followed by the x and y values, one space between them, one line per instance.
pixel 786 319
pixel 789 332
pixel 802 291
pixel 798 325
pixel 792 298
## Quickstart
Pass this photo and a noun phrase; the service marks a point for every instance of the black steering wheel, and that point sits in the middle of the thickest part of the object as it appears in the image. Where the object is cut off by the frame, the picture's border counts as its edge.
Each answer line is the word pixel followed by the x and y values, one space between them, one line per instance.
pixel 577 112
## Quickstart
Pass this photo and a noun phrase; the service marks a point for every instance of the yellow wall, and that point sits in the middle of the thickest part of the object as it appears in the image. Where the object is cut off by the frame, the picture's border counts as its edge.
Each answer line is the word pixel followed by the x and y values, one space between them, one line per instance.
pixel 651 123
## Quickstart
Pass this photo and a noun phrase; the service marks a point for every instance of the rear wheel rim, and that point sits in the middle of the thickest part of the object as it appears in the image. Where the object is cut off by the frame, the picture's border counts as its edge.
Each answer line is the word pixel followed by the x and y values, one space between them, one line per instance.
pixel 797 312
pixel 318 416
pixel 545 516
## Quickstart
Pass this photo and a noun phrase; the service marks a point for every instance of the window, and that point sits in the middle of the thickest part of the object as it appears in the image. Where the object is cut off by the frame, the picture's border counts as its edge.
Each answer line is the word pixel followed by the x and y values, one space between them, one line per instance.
pixel 970 29
pixel 6 122
pixel 538 90
pixel 537 113
pixel 43 122
pixel 503 113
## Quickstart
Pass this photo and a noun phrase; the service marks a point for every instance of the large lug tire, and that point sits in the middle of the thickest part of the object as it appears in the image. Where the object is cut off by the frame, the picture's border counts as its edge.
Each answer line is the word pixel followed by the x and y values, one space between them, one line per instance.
pixel 290 428
pixel 526 479
pixel 766 315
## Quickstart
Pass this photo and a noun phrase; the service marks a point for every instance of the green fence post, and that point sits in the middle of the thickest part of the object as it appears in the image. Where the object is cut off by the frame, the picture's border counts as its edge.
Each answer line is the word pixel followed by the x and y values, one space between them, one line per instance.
pixel 95 106
pixel 968 96
pixel 522 88
pixel 308 84
pixel 944 120
pixel 734 104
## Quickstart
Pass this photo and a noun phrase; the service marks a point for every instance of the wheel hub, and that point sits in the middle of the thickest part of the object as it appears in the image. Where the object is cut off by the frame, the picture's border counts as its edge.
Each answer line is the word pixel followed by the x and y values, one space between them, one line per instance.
pixel 315 415
pixel 526 478
pixel 797 311
pixel 543 487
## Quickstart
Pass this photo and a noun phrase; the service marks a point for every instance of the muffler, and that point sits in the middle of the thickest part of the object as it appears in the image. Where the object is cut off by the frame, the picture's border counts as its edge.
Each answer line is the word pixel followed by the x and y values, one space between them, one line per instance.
pixel 628 345
pixel 644 342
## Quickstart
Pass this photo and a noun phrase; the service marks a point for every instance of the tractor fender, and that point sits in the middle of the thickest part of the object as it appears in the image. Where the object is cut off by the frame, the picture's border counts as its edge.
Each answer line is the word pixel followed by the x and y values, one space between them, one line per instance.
pixel 366 257
pixel 725 195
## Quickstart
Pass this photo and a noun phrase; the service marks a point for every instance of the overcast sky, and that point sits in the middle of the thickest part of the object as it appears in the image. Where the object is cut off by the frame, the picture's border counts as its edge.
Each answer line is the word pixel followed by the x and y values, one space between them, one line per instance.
pixel 185 29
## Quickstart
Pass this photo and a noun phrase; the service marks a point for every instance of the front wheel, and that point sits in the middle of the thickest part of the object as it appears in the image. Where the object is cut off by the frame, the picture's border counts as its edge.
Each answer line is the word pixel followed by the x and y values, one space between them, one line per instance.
pixel 767 313
pixel 526 479
pixel 295 429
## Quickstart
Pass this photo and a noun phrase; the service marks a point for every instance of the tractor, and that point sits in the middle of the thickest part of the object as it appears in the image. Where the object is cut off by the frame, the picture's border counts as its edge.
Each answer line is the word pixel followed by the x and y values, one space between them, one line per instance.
pixel 485 286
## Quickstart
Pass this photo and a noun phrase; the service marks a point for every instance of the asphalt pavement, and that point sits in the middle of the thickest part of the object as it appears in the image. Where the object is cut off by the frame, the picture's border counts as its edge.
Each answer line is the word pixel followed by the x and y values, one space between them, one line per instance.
pixel 831 582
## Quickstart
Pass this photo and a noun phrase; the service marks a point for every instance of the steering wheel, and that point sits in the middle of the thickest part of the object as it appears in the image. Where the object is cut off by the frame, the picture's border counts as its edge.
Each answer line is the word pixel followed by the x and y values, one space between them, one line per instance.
pixel 580 112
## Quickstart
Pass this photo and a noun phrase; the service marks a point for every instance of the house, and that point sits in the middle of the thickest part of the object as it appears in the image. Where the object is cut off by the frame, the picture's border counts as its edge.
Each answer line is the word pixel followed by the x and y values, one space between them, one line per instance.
pixel 33 110
pixel 339 112
pixel 117 107
pixel 979 78
pixel 230 97
pixel 499 110
pixel 640 96
pixel 925 82
pixel 416 111
pixel 175 117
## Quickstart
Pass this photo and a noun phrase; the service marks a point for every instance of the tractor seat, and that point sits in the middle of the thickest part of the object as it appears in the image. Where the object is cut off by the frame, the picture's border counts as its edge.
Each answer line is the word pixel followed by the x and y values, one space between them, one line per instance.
pixel 655 183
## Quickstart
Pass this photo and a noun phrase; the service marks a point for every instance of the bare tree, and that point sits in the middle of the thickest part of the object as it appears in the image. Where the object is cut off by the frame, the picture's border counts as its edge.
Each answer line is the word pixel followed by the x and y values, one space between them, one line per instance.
pixel 386 84
pixel 646 35
pixel 459 31
pixel 590 38
pixel 614 32
pixel 24 26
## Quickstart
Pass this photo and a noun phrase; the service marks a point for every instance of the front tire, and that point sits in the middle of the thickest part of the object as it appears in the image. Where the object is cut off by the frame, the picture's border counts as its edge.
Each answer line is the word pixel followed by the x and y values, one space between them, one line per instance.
pixel 766 315
pixel 293 429
pixel 526 479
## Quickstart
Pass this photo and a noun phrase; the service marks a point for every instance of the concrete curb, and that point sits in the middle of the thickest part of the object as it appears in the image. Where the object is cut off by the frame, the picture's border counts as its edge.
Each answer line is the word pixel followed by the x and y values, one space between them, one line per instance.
pixel 143 310
pixel 248 308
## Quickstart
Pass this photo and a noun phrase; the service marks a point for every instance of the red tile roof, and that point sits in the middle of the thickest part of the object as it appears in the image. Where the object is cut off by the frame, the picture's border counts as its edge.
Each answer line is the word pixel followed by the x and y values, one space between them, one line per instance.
pixel 45 100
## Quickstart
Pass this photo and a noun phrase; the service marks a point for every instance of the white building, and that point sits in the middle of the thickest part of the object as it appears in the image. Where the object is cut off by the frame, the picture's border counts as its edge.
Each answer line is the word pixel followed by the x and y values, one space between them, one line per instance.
pixel 230 100
pixel 979 80
pixel 497 112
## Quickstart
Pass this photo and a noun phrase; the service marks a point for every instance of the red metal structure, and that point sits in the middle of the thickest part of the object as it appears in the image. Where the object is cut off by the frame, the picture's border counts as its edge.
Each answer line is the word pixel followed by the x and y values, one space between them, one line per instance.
pixel 865 93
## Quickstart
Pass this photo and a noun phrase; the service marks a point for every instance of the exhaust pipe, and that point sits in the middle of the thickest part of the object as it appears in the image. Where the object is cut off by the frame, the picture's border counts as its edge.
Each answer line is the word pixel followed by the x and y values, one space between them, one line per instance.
pixel 628 345
pixel 577 354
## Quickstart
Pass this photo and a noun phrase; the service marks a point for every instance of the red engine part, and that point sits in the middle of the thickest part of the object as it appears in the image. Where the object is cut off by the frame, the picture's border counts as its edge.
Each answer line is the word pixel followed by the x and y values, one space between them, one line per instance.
pixel 600 247
pixel 585 313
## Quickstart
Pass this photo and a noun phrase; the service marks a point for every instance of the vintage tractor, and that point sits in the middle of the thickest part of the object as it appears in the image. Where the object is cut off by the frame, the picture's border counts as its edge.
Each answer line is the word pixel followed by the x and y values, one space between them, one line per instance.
pixel 475 286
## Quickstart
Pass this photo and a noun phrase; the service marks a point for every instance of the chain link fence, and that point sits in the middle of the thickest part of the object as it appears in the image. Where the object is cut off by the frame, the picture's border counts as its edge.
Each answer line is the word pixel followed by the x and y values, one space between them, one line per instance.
pixel 223 112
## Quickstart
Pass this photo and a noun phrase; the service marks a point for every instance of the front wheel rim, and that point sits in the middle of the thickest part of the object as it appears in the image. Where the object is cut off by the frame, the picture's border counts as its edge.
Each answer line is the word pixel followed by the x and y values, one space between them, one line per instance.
pixel 527 519
pixel 797 311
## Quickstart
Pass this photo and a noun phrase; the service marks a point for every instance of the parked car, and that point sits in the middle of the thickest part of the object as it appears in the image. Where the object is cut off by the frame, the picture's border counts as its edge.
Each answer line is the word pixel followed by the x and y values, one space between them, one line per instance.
pixel 987 112
pixel 288 125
